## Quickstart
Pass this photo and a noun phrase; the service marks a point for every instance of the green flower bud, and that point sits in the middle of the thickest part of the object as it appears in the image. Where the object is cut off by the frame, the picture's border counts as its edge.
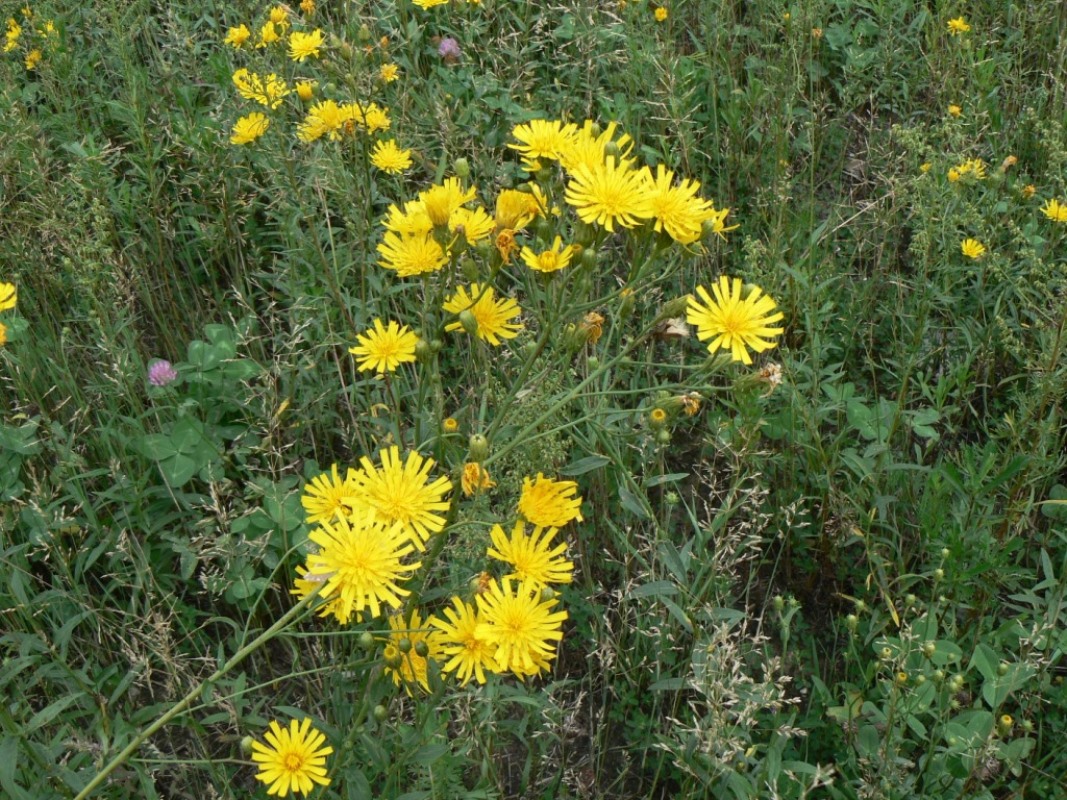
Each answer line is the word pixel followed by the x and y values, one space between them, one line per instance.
pixel 945 552
pixel 779 603
pixel 470 269
pixel 366 641
pixel 672 498
pixel 860 606
pixel 611 150
pixel 363 34
pixel 674 308
pixel 939 574
pixel 593 362
pixel 478 447
pixel 392 656
pixel 422 649
pixel 548 594
pixel 852 622
pixel 404 645
pixel 381 713
pixel 929 648
pixel 589 258
pixel 462 168
pixel 910 600
pixel 436 345
pixel 663 436
pixel 423 351
pixel 1002 669
pixel 886 654
pixel 468 321
pixel 246 745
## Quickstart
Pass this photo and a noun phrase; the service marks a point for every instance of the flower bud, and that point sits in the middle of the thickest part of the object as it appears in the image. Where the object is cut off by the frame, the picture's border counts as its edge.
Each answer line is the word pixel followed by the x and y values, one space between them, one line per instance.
pixel 468 321
pixel 627 301
pixel 674 308
pixel 392 656
pixel 611 150
pixel 548 594
pixel 929 648
pixel 910 600
pixel 381 713
pixel 672 498
pixel 886 654
pixel 589 258
pixel 852 622
pixel 366 641
pixel 436 345
pixel 462 168
pixel 593 362
pixel 478 447
pixel 901 679
pixel 939 574
pixel 945 552
pixel 423 351
pixel 860 606
pixel 404 645
pixel 1004 724
pixel 663 436
pixel 657 418
pixel 246 745
pixel 422 649
pixel 779 603
pixel 363 34
pixel 1002 669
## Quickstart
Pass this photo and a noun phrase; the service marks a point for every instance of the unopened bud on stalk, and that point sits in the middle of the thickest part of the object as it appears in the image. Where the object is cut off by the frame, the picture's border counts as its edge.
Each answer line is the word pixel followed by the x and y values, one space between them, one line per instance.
pixel 423 351
pixel 468 321
pixel 366 641
pixel 663 436
pixel 589 258
pixel 422 649
pixel 381 713
pixel 611 150
pixel 478 448
pixel 462 168
pixel 404 645
pixel 246 745
pixel 674 308
pixel 548 594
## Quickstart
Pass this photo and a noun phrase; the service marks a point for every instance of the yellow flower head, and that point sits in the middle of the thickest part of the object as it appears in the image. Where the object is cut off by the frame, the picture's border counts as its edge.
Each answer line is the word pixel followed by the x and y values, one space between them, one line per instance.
pixel 657 416
pixel 716 223
pixel 515 210
pixel 304 45
pixel 592 325
pixel 972 248
pixel 389 73
pixel 541 139
pixel 493 316
pixel 506 244
pixel 589 146
pixel 676 209
pixel 469 655
pixel 388 157
pixel 249 128
pixel 661 14
pixel 326 496
pixel 450 425
pixel 384 348
pixel 533 557
pixel 691 403
pixel 413 668
pixel 268 34
pixel 733 323
pixel 474 224
pixel 1028 191
pixel 524 627
pixel 326 118
pixel 549 260
pixel 267 91
pixel 549 503
pixel 8 296
pixel 307 7
pixel 440 201
pixel 376 118
pixel 305 90
pixel 236 37
pixel 475 479
pixel 412 221
pixel 361 563
pixel 411 255
pixel 954 110
pixel 293 760
pixel 3 334
pixel 608 194
pixel 1054 210
pixel 403 491
pixel 958 26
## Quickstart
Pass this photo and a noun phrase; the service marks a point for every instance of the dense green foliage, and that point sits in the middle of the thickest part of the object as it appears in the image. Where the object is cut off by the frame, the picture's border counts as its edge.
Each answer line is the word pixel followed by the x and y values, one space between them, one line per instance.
pixel 849 585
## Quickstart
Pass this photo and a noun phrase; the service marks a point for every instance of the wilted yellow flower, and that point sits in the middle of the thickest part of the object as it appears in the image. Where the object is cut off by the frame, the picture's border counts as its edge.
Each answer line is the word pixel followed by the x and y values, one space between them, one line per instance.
pixel 303 45
pixel 593 326
pixel 506 244
pixel 475 479
pixel 1055 211
pixel 249 128
pixel 691 403
pixel 972 248
pixel 1028 191
pixel 958 26
pixel 236 37
pixel 308 7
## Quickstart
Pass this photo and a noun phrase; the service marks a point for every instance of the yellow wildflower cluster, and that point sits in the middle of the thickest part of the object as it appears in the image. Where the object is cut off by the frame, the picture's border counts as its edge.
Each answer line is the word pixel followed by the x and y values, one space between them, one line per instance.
pixel 8 299
pixel 973 168
pixel 29 38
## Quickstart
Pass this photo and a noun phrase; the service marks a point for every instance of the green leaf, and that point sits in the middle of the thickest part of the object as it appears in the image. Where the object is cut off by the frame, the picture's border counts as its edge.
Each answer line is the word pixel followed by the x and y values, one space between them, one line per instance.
pixel 178 470
pixel 631 503
pixel 655 589
pixel 584 465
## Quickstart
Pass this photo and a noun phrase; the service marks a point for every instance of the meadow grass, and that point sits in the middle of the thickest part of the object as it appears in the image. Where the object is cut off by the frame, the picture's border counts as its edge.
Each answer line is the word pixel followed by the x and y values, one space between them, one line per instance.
pixel 836 572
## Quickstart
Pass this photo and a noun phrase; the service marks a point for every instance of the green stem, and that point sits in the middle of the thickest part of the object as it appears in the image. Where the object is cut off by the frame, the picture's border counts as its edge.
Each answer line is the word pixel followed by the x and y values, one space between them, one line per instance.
pixel 186 701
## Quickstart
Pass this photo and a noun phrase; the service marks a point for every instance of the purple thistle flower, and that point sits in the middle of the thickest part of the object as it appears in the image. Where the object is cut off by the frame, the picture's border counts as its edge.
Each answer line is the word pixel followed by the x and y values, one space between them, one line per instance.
pixel 449 50
pixel 161 372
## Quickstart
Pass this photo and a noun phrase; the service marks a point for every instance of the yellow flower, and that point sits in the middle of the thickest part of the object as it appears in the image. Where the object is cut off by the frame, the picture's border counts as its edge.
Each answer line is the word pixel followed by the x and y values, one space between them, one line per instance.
pixel 716 223
pixel 429 3
pixel 303 45
pixel 403 492
pixel 589 146
pixel 534 557
pixel 267 91
pixel 327 496
pixel 492 316
pixel 691 403
pixel 360 562
pixel 385 348
pixel 323 119
pixel 389 72
pixel 8 296
pixel 541 138
pixel 33 58
pixel 236 37
pixel 953 175
pixel 972 248
pixel 475 479
pixel 376 118
pixel 293 760
pixel 524 627
pixel 3 334
pixel 506 244
pixel 1028 191
pixel 958 26
pixel 14 31
pixel 410 667
pixel 608 194
pixel 450 425
pixel 412 221
pixel 661 14
pixel 678 210
pixel 411 255
pixel 515 209
pixel 388 157
pixel 592 325
pixel 733 323
pixel 657 417
pixel 279 15
pixel 954 110
pixel 549 503
pixel 1055 210
pixel 925 167
pixel 470 655
pixel 474 224
pixel 305 90
pixel 249 128
pixel 440 201
pixel 268 34
pixel 549 260
pixel 307 7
